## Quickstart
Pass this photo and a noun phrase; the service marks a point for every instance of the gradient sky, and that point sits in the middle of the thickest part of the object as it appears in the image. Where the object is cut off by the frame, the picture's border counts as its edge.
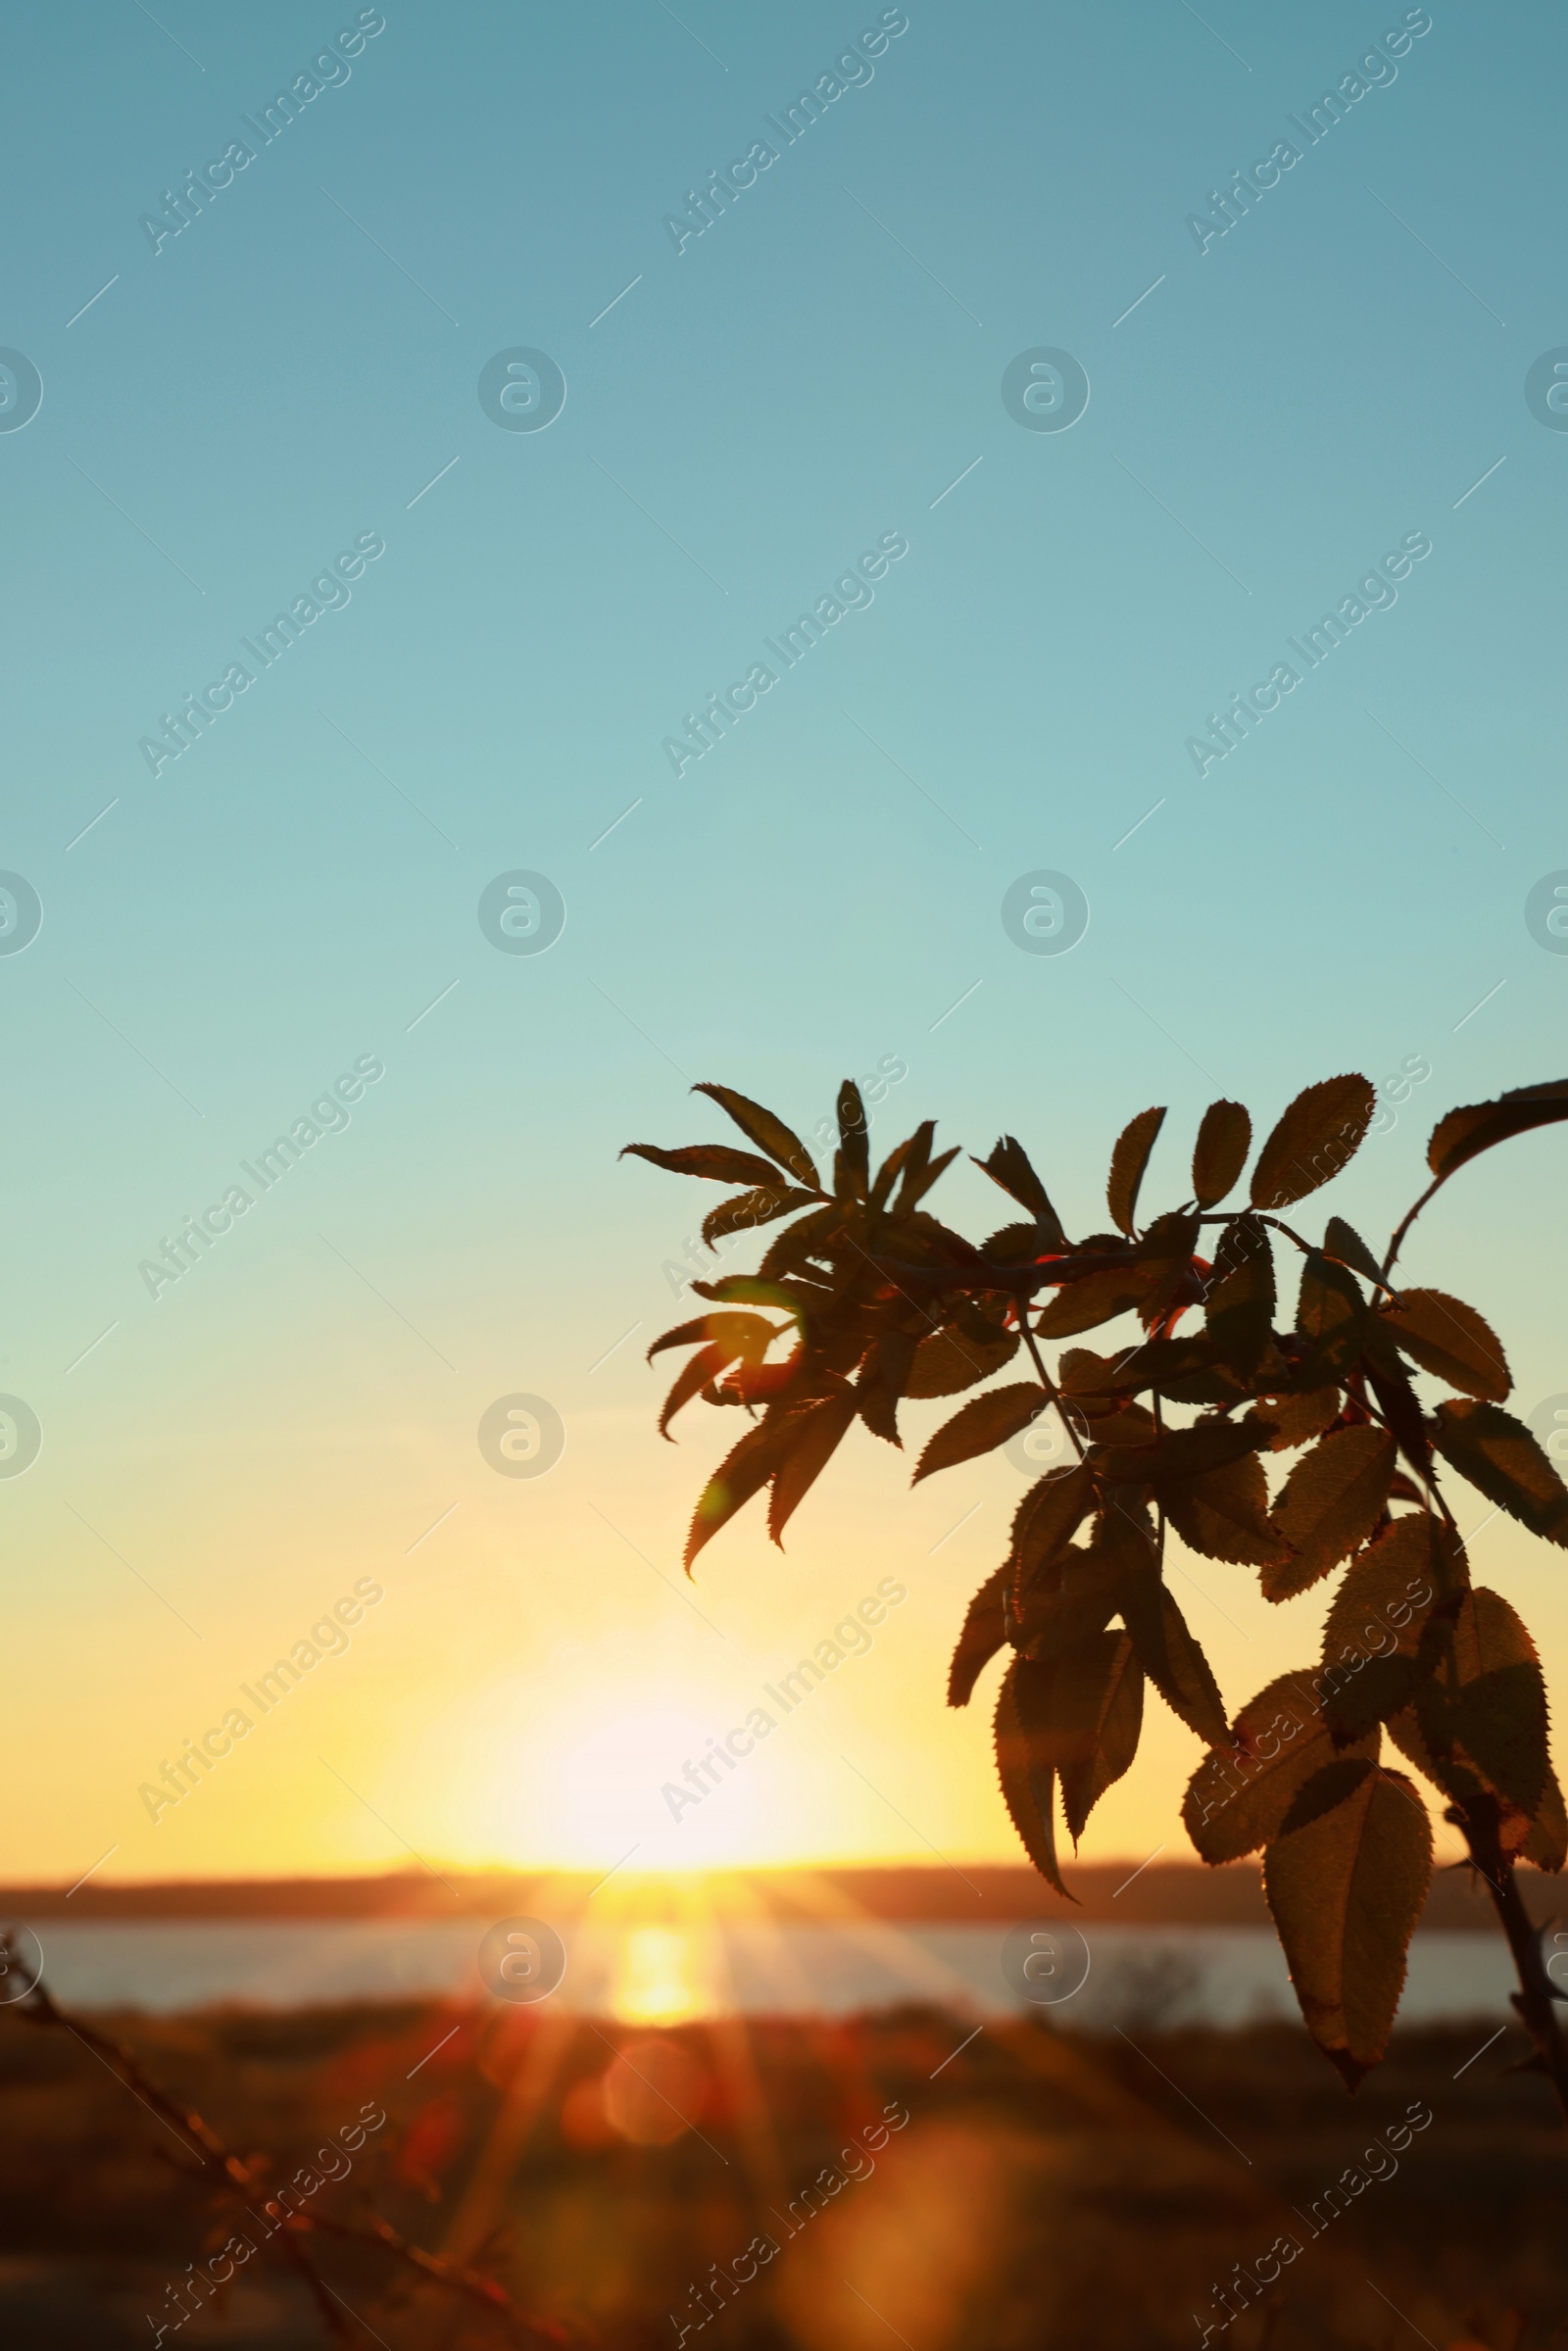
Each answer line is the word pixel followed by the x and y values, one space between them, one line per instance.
pixel 815 371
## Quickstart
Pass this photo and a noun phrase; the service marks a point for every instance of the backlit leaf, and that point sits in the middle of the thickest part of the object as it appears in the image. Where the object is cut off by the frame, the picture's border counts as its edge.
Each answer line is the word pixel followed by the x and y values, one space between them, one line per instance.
pixel 1314 1139
pixel 1342 1242
pixel 1170 1656
pixel 949 1361
pixel 1331 1501
pixel 748 1208
pixel 1009 1165
pixel 1486 1705
pixel 1049 1516
pixel 742 1472
pixel 811 1438
pixel 1097 1298
pixel 854 1140
pixel 1224 1514
pixel 1465 1133
pixel 719 1161
pixel 1240 1306
pixel 1450 1338
pixel 1220 1153
pixel 1331 1312
pixel 769 1133
pixel 1028 1784
pixel 1108 1688
pixel 1389 1592
pixel 1295 1417
pixel 985 1631
pixel 981 1425
pixel 1242 1790
pixel 1502 1458
pixel 1127 1164
pixel 1345 1878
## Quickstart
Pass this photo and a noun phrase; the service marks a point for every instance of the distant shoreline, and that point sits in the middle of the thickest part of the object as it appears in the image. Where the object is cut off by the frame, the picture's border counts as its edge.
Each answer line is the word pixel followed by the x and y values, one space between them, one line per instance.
pixel 1171 1894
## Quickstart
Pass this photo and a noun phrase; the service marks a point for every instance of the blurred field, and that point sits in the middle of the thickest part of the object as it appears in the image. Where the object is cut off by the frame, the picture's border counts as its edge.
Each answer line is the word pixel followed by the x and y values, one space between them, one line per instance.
pixel 1089 2191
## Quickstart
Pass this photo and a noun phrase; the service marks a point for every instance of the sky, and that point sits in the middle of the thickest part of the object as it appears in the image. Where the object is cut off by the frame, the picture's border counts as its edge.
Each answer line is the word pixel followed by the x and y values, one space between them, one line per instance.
pixel 526 599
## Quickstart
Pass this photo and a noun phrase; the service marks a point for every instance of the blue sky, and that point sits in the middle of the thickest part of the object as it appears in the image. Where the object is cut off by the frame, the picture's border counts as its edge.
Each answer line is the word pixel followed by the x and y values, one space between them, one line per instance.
pixel 813 371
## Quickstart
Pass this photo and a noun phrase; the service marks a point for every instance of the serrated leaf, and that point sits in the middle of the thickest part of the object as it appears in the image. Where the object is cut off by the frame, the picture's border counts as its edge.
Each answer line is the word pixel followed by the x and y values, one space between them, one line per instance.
pixel 1049 1516
pixel 1097 1298
pixel 881 1383
pixel 1347 1887
pixel 1128 1160
pixel 1503 1460
pixel 719 1161
pixel 1180 1454
pixel 1170 1656
pixel 1487 1704
pixel 1009 1165
pixel 742 1472
pixel 854 1140
pixel 1110 1685
pixel 1465 1133
pixel 1331 1312
pixel 769 1133
pixel 1296 1417
pixel 1244 1787
pixel 1342 1242
pixel 949 1361
pixel 985 1631
pixel 1028 1786
pixel 747 1209
pixel 1220 1154
pixel 1389 1592
pixel 1451 1339
pixel 1239 1309
pixel 748 1336
pixel 690 1381
pixel 1329 1503
pixel 1317 1134
pixel 1224 1514
pixel 1077 1599
pixel 981 1425
pixel 809 1439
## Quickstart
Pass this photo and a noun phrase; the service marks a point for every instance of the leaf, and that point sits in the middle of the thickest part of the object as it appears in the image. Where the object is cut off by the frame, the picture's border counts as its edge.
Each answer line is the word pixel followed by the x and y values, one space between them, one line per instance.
pixel 1009 1165
pixel 1244 1787
pixel 1028 1786
pixel 1049 1516
pixel 1331 1312
pixel 1107 1686
pixel 1224 1514
pixel 1296 1417
pixel 769 1133
pixel 810 1439
pixel 1502 1458
pixel 1170 1656
pixel 719 1161
pixel 1465 1133
pixel 1346 1880
pixel 746 1335
pixel 1221 1152
pixel 1389 1592
pixel 693 1377
pixel 1488 1708
pixel 748 1208
pixel 855 1139
pixel 1331 1501
pixel 921 1172
pixel 1317 1134
pixel 1128 1161
pixel 1450 1338
pixel 1097 1298
pixel 981 1425
pixel 1075 1599
pixel 1179 1454
pixel 742 1472
pixel 949 1361
pixel 985 1631
pixel 1344 1242
pixel 1239 1309
pixel 881 1383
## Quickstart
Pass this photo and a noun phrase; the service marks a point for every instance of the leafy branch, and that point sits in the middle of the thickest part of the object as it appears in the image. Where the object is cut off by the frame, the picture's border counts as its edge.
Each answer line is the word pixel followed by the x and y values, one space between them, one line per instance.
pixel 862 1300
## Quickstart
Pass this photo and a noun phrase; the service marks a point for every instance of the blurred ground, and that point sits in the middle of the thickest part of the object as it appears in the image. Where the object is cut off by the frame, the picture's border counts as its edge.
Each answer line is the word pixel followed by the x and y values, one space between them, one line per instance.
pixel 1045 2191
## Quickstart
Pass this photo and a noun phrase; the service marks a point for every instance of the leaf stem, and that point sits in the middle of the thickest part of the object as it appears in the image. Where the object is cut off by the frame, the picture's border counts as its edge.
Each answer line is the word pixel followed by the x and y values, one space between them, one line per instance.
pixel 1537 2011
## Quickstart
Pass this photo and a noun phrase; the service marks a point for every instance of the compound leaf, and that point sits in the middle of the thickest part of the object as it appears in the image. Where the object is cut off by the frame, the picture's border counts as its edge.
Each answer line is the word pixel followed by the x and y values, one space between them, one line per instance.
pixel 769 1133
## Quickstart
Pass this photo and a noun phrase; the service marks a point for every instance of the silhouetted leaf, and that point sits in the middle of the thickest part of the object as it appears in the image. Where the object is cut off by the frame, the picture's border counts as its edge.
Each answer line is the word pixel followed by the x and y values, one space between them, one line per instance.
pixel 1180 1454
pixel 1502 1458
pixel 949 1361
pixel 1240 1306
pixel 1028 1786
pixel 1075 1597
pixel 1127 1164
pixel 1450 1338
pixel 1106 1685
pixel 881 1383
pixel 1224 1139
pixel 690 1381
pixel 1314 1139
pixel 719 1161
pixel 1242 1790
pixel 1389 1592
pixel 985 1631
pixel 1224 1514
pixel 745 1335
pixel 1296 1417
pixel 981 1425
pixel 1346 1880
pixel 748 1208
pixel 1342 1242
pixel 1095 1298
pixel 769 1133
pixel 1009 1165
pixel 1049 1516
pixel 1465 1133
pixel 808 1443
pixel 1170 1656
pixel 1331 1312
pixel 742 1472
pixel 1331 1501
